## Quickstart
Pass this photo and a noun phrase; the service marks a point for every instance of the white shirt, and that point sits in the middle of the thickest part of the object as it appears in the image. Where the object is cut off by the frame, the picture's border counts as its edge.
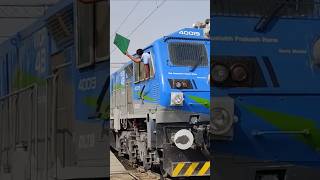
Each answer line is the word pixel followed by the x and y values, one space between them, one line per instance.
pixel 145 58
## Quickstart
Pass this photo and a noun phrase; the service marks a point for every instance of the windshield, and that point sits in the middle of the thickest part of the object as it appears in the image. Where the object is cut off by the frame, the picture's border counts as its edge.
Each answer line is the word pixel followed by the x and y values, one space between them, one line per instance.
pixel 188 54
pixel 289 8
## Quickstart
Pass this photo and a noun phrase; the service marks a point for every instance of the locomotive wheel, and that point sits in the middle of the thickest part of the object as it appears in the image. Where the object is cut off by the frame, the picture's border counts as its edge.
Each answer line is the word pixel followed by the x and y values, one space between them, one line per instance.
pixel 146 164
pixel 132 158
pixel 131 152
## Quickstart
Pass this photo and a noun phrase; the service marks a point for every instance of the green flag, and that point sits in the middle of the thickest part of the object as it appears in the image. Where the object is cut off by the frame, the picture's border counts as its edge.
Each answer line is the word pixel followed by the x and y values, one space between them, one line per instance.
pixel 121 42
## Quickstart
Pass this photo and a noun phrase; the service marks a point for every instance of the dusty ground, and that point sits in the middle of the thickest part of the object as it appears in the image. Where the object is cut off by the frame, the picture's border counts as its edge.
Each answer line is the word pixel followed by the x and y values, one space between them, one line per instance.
pixel 120 172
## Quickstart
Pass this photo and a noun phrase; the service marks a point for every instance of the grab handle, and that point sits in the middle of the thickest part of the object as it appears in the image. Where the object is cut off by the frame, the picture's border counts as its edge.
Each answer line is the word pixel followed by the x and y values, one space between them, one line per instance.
pixel 304 132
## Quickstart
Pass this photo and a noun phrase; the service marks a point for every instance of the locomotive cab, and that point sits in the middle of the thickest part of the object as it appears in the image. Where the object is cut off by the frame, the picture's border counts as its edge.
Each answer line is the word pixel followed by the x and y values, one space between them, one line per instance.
pixel 166 116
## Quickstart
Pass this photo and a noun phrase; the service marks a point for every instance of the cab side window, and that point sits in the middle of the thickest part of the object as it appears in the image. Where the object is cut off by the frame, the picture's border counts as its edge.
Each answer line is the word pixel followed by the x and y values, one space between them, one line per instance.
pixel 136 72
pixel 151 67
pixel 85 16
pixel 129 72
pixel 92 32
pixel 101 30
pixel 140 70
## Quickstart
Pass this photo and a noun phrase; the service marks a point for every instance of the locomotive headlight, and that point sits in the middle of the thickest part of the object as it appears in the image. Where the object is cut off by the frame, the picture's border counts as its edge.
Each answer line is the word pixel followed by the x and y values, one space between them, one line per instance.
pixel 220 73
pixel 178 84
pixel 183 139
pixel 222 121
pixel 239 72
pixel 176 99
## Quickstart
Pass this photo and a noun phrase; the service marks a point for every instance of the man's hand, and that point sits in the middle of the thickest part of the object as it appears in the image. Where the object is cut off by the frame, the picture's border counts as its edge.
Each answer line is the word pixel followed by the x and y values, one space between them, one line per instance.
pixel 132 58
pixel 128 55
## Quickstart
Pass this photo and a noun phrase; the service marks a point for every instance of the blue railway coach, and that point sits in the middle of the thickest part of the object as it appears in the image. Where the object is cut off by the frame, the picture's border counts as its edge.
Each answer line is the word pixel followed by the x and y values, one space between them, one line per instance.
pixel 266 89
pixel 53 78
pixel 164 120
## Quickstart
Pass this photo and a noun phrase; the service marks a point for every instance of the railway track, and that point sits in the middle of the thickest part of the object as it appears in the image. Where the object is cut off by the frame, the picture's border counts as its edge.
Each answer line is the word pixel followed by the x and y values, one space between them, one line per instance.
pixel 132 176
pixel 136 172
pixel 144 175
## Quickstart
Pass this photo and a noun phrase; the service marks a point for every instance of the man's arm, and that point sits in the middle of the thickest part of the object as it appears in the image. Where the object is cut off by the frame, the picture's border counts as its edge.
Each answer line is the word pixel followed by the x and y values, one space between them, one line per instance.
pixel 133 58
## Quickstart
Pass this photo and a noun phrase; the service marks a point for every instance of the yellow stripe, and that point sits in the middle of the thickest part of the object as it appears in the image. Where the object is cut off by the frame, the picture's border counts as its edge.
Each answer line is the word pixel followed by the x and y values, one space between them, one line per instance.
pixel 191 169
pixel 177 169
pixel 204 168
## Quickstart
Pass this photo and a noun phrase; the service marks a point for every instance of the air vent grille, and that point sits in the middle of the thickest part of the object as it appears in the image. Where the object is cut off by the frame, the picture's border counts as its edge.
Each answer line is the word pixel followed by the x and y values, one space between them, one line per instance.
pixel 61 26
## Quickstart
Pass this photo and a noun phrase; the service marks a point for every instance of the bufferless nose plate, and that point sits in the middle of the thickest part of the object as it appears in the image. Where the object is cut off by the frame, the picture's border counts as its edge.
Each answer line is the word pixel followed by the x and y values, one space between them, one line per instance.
pixel 183 139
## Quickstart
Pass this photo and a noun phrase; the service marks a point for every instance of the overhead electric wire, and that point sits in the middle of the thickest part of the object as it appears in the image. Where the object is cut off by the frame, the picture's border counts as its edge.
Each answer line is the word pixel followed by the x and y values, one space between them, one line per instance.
pixel 126 18
pixel 123 21
pixel 143 21
pixel 147 17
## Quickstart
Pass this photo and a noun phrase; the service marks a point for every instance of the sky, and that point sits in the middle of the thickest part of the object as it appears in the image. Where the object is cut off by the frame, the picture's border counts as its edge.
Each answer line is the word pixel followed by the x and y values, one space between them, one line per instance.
pixel 168 18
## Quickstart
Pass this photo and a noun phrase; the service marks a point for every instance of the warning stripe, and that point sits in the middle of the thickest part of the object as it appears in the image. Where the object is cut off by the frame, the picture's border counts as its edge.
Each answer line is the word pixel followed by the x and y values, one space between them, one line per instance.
pixel 204 168
pixel 177 169
pixel 191 169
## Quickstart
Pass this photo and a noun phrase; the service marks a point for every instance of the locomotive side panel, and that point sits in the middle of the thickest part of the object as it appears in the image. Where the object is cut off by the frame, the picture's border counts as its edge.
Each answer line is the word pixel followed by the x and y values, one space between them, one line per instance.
pixel 24 103
pixel 48 115
pixel 91 83
pixel 269 107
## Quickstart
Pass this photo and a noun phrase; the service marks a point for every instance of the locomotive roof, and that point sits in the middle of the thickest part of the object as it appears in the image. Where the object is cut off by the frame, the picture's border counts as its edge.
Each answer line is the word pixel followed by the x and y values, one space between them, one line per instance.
pixel 182 34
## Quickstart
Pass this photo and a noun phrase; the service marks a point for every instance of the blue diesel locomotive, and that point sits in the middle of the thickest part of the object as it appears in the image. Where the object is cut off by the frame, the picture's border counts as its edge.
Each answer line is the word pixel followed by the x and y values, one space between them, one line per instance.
pixel 164 120
pixel 53 79
pixel 265 89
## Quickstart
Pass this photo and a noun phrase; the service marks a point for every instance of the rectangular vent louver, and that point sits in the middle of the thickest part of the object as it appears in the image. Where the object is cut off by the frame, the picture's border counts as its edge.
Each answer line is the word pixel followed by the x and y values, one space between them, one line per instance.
pixel 61 25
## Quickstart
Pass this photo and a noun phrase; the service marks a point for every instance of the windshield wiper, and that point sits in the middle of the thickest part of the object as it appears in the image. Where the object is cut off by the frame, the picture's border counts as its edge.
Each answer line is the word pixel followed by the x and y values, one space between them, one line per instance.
pixel 265 20
pixel 196 64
